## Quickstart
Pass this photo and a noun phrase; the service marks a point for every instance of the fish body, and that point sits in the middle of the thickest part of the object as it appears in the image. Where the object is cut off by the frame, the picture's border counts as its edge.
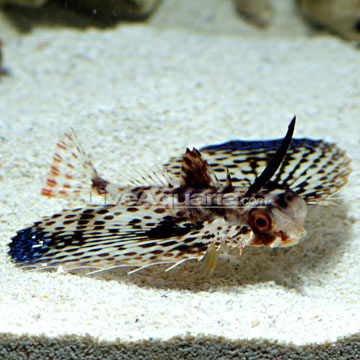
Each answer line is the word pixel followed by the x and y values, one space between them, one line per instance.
pixel 226 196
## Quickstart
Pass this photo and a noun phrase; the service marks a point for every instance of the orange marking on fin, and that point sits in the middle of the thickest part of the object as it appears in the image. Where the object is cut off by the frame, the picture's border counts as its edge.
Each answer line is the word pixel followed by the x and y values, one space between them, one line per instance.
pixel 70 166
pixel 51 182
pixel 168 254
pixel 57 157
pixel 66 186
pixel 103 255
pixel 55 169
pixel 68 176
pixel 47 192
pixel 61 146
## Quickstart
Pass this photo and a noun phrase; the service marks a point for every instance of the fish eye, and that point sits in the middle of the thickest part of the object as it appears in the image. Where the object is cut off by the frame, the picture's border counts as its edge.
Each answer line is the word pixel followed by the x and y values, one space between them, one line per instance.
pixel 260 221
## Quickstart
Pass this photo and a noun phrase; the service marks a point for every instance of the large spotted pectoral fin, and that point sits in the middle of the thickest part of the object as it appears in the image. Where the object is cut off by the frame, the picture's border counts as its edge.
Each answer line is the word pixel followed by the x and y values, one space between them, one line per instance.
pixel 314 169
pixel 113 236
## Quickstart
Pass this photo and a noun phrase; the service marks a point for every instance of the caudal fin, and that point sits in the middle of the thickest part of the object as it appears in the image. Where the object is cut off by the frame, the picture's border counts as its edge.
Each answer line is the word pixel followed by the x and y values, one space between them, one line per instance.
pixel 72 175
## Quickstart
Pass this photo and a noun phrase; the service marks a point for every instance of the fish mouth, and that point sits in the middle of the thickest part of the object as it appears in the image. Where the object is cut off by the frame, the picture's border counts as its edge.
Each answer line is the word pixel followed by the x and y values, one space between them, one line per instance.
pixel 284 240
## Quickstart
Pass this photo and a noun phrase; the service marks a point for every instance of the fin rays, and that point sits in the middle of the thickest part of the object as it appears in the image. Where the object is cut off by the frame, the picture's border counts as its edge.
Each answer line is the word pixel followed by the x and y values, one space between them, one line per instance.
pixel 146 234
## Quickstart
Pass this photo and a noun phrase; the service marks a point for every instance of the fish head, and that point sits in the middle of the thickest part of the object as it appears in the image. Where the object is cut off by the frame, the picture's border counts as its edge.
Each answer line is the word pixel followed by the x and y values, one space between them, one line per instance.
pixel 279 221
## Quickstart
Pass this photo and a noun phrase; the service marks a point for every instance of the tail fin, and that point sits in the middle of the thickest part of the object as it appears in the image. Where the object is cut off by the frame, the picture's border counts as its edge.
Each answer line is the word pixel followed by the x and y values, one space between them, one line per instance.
pixel 72 175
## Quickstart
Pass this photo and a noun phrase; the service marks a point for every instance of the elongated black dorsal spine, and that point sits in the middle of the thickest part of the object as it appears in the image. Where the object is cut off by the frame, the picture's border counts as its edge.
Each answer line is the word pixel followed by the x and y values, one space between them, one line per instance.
pixel 275 162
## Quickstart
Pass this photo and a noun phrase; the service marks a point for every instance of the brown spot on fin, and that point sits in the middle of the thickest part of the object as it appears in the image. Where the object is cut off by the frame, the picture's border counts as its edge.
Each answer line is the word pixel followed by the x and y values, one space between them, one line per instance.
pixel 99 184
pixel 196 172
pixel 228 185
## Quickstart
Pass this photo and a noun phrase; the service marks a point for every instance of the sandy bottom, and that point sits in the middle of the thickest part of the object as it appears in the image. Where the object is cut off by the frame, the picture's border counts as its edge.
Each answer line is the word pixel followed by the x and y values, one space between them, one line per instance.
pixel 137 95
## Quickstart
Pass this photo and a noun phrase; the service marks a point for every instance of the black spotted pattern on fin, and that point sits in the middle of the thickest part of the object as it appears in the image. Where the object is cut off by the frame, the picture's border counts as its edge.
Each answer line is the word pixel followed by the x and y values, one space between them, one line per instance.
pixel 111 236
pixel 315 169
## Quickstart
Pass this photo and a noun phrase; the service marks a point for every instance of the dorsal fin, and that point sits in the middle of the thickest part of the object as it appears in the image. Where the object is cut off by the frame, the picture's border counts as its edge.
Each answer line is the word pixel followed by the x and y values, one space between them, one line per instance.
pixel 275 162
pixel 228 185
pixel 196 172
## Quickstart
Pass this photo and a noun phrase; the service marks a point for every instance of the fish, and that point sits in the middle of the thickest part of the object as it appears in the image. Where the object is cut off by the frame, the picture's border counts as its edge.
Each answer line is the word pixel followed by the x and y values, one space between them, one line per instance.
pixel 220 198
